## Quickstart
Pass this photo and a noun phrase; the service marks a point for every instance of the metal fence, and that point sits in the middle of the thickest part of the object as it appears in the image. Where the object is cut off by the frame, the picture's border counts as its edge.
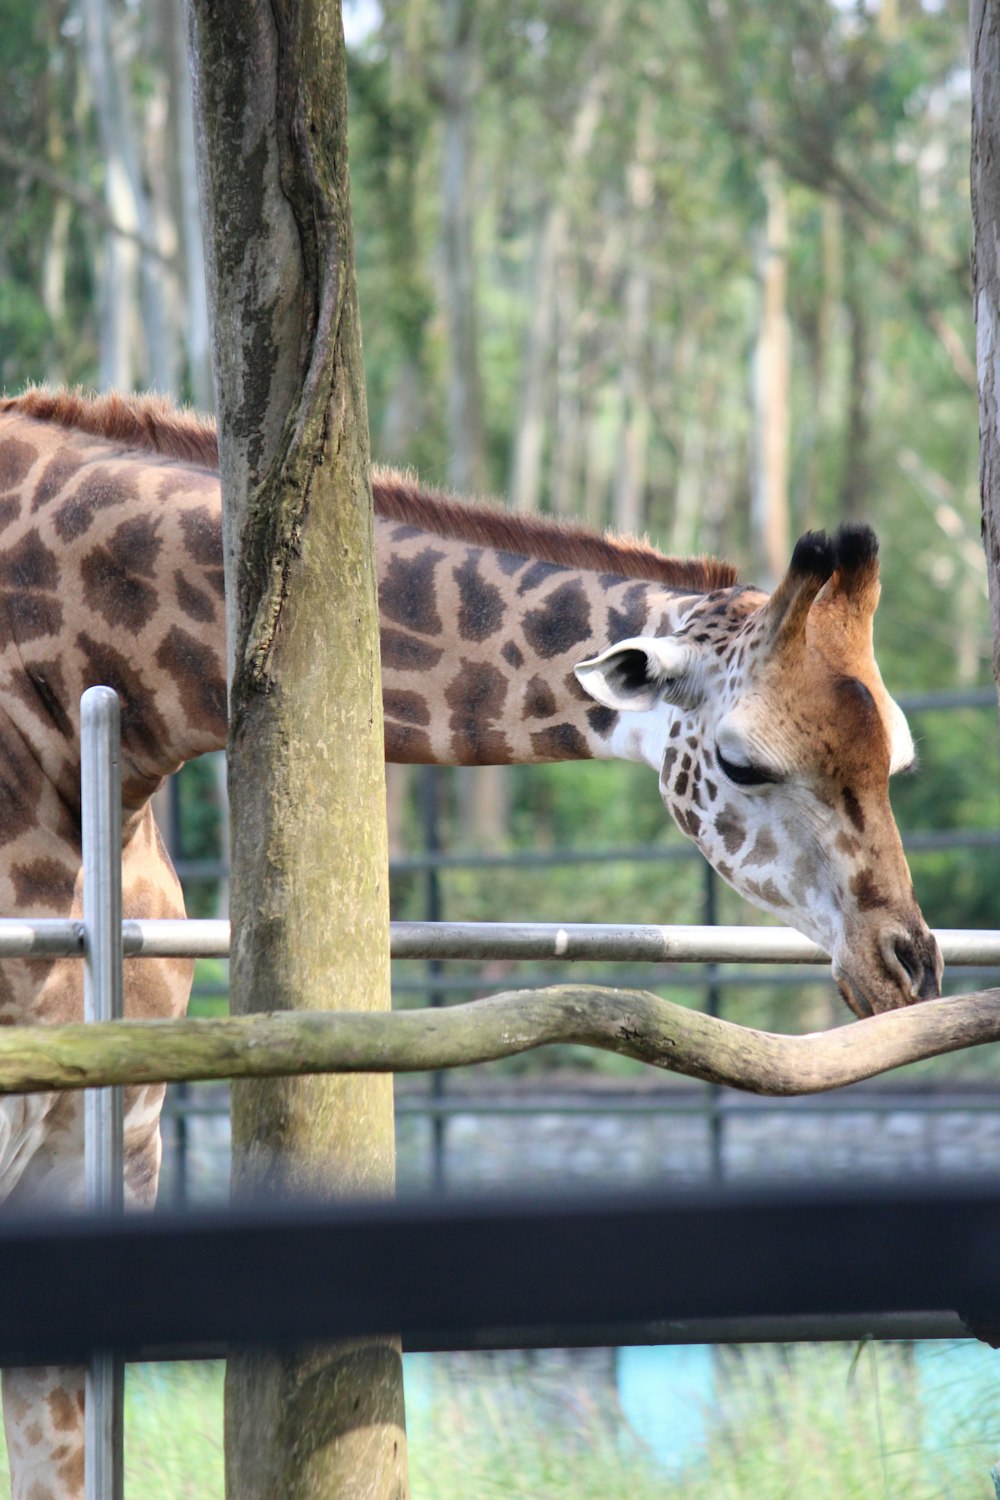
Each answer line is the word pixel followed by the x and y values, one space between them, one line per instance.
pixel 692 958
pixel 452 1275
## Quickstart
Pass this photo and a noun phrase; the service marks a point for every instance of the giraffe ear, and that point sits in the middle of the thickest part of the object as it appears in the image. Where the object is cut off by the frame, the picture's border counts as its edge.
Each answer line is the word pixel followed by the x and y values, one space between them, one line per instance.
pixel 641 672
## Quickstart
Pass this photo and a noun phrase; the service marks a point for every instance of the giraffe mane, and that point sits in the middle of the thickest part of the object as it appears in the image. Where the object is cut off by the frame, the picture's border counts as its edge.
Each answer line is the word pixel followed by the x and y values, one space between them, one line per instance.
pixel 148 421
pixel 398 497
pixel 155 424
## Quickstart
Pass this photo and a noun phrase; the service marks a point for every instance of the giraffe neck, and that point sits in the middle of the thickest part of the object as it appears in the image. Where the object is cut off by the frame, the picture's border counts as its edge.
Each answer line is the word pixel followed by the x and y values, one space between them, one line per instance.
pixel 479 645
pixel 111 571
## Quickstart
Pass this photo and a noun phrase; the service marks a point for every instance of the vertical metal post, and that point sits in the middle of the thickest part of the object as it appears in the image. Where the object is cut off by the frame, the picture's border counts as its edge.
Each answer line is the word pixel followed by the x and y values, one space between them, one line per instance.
pixel 713 1005
pixel 430 786
pixel 181 1091
pixel 101 816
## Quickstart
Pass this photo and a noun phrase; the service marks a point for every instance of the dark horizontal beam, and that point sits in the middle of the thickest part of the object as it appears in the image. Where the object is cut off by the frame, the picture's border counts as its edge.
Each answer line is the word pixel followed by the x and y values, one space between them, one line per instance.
pixel 461 1275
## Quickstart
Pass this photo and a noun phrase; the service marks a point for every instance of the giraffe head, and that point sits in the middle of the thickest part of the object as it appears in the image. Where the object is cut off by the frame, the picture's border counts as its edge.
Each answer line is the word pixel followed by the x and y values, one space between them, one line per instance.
pixel 778 739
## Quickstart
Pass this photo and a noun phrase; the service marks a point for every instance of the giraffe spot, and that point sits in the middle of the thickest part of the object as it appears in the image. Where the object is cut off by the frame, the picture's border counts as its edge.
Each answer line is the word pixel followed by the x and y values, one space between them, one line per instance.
pixel 510 563
pixel 195 671
pixel 513 655
pixel 405 654
pixel 562 622
pixel 99 490
pixel 201 531
pixel 573 688
pixel 16 459
pixel 675 729
pixel 731 829
pixel 767 893
pixel 560 742
pixel 539 700
pixel 847 844
pixel 33 1434
pixel 27 617
pixel 476 696
pixel 42 688
pixel 71 1473
pixel 55 477
pixel 853 809
pixel 711 788
pixel 28 606
pixel 601 719
pixel 9 512
pixel 688 821
pixel 631 617
pixel 62 1409
pixel 407 593
pixel 406 533
pixel 764 851
pixel 216 579
pixel 43 882
pixel 480 604
pixel 537 574
pixel 21 785
pixel 196 604
pixel 411 708
pixel 114 575
pixel 805 873
pixel 681 783
pixel 669 761
pixel 866 893
pixel 29 565
pixel 144 732
pixel 405 745
pixel 686 760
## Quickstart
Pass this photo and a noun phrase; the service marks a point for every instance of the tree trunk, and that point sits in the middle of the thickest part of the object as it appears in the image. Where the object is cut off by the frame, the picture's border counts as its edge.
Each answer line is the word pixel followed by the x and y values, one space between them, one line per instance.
pixel 630 480
pixel 772 381
pixel 984 18
pixel 128 205
pixel 309 887
pixel 466 463
pixel 855 489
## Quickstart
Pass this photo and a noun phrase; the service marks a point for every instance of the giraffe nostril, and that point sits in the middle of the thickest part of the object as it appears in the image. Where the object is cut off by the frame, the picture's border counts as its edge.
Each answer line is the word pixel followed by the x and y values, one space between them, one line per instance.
pixel 915 960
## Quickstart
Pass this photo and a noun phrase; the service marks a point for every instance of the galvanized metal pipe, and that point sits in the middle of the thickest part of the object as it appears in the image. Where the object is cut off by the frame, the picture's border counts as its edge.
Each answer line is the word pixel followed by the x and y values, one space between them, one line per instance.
pixel 568 941
pixel 101 816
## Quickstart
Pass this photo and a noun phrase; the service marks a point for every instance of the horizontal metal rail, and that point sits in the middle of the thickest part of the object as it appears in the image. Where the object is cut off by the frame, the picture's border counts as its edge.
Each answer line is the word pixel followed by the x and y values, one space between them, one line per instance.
pixel 656 1267
pixel 569 941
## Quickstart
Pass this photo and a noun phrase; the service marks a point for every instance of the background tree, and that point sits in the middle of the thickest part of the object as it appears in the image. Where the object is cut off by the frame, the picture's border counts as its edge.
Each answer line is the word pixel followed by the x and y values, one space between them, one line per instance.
pixel 306 779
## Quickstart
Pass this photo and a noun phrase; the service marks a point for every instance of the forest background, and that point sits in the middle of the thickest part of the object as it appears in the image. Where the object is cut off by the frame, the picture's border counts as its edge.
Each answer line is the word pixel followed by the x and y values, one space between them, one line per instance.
pixel 698 268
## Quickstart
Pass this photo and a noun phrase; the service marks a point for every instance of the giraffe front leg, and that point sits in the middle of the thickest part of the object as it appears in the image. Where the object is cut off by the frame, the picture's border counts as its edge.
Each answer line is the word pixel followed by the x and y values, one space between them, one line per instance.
pixel 43 1420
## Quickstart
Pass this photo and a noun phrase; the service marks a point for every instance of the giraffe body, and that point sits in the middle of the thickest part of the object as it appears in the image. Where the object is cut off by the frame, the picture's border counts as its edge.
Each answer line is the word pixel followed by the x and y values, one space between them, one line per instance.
pixel 503 640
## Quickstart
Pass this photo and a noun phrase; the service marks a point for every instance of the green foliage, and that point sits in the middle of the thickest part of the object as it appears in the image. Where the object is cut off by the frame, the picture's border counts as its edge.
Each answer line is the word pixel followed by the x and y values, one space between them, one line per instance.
pixel 860 1424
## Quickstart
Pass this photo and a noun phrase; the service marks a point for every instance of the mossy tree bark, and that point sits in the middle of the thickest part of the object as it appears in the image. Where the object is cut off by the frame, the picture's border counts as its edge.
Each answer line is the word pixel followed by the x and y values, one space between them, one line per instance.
pixel 309 887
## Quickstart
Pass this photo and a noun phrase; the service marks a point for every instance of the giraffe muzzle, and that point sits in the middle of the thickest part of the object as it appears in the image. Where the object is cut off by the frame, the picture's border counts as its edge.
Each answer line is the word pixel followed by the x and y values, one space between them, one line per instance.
pixel 903 968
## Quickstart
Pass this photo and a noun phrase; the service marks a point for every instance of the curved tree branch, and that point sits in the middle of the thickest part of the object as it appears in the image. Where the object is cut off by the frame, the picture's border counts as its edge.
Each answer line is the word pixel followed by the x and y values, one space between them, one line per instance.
pixel 67 187
pixel 633 1023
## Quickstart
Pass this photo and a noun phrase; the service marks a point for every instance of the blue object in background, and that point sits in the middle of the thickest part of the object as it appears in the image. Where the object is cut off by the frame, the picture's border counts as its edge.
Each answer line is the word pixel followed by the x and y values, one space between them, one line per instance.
pixel 958 1383
pixel 667 1393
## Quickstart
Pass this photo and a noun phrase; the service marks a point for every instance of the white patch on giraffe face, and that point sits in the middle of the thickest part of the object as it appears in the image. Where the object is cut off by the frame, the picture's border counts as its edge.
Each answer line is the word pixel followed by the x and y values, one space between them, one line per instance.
pixel 902 755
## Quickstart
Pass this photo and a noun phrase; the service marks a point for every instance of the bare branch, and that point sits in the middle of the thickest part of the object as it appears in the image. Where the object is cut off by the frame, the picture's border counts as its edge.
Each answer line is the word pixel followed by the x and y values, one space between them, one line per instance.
pixel 66 187
pixel 633 1023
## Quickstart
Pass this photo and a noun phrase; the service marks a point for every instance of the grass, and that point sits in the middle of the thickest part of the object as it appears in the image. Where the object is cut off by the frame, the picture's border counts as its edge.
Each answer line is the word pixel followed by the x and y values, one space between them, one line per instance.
pixel 873 1423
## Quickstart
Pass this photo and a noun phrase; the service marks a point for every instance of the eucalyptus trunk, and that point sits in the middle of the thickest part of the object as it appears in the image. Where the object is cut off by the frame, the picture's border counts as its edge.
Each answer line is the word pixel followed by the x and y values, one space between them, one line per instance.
pixel 309 886
pixel 770 532
pixel 985 38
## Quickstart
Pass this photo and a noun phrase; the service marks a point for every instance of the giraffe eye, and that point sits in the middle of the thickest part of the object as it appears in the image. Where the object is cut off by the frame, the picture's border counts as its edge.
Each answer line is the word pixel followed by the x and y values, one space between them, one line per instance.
pixel 743 775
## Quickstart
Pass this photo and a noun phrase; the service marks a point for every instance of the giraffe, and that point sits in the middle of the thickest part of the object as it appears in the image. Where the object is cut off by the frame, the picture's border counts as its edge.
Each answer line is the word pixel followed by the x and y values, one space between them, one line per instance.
pixel 504 639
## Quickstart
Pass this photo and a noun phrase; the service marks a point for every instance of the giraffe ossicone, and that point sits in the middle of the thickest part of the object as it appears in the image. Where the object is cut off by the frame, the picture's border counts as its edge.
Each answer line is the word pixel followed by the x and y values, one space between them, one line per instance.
pixel 504 639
